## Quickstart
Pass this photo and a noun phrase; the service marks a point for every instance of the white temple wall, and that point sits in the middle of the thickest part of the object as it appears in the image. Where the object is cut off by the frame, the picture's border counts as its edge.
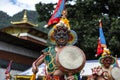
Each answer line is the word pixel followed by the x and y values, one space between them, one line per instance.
pixel 12 72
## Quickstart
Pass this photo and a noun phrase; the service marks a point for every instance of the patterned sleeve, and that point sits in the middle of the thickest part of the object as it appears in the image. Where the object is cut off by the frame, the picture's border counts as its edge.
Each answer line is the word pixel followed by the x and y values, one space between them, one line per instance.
pixel 45 50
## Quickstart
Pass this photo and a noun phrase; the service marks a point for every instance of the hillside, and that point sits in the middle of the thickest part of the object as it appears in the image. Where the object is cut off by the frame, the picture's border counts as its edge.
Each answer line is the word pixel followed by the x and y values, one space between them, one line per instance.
pixel 6 19
pixel 32 17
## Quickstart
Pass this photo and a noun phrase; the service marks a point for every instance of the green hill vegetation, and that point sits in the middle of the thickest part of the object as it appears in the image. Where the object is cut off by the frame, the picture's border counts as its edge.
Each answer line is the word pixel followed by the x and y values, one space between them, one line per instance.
pixel 84 16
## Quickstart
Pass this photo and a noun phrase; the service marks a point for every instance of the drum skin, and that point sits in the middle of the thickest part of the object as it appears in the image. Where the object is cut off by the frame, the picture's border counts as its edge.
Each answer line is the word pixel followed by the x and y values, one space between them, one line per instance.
pixel 115 72
pixel 71 59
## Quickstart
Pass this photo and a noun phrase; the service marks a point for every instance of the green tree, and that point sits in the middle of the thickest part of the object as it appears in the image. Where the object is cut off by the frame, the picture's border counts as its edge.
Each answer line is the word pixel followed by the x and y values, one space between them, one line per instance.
pixel 85 15
pixel 45 11
pixel 113 38
pixel 84 18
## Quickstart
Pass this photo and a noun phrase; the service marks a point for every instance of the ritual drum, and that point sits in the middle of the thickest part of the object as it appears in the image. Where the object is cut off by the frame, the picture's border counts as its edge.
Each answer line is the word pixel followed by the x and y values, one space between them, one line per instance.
pixel 71 59
pixel 115 72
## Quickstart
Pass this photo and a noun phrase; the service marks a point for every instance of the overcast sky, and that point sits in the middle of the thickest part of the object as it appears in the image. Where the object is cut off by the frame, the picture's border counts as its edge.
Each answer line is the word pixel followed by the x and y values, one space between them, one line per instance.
pixel 12 7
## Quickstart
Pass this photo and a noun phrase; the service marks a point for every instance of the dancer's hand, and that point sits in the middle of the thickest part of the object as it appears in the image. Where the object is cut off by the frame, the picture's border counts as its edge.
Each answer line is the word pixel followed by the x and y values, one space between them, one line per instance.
pixel 34 68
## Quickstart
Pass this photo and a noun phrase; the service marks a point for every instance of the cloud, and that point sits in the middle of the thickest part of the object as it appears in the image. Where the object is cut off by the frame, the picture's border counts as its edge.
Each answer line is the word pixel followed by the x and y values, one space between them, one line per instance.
pixel 8 7
pixel 12 7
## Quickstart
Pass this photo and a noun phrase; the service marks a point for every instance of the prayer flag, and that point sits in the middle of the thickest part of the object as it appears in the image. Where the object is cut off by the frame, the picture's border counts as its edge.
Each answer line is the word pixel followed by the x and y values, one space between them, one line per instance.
pixel 101 35
pixel 101 40
pixel 55 18
pixel 99 48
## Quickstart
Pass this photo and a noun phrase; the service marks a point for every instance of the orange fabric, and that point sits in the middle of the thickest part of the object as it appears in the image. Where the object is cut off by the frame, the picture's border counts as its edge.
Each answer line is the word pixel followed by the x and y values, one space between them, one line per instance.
pixel 53 78
pixel 56 77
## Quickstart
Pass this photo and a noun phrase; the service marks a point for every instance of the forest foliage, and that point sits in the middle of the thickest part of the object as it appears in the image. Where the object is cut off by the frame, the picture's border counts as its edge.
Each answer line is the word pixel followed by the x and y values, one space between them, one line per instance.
pixel 84 16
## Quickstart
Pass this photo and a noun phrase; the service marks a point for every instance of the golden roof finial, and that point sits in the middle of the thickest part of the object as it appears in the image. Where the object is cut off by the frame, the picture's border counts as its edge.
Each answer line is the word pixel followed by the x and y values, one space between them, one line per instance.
pixel 25 19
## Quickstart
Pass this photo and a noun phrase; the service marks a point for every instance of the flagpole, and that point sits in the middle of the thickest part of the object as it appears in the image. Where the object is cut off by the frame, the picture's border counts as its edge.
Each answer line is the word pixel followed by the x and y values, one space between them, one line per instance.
pixel 7 72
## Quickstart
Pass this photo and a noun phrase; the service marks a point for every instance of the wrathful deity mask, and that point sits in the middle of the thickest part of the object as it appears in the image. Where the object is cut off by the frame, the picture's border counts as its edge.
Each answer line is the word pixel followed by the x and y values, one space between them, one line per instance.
pixel 61 35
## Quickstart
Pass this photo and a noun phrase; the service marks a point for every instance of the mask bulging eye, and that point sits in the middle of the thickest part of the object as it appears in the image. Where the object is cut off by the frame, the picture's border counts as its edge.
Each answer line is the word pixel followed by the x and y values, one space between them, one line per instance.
pixel 58 34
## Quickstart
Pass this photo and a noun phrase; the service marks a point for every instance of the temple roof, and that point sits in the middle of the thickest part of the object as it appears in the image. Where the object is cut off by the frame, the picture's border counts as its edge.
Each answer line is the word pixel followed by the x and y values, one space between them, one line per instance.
pixel 24 21
pixel 12 40
pixel 20 42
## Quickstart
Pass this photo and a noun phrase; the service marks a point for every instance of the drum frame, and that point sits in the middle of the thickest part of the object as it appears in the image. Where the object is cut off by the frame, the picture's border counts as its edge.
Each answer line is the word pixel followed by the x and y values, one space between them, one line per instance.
pixel 71 70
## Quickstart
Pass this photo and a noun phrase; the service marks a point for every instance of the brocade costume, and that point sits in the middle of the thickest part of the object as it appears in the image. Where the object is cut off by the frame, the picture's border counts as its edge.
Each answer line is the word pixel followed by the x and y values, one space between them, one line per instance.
pixel 50 59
